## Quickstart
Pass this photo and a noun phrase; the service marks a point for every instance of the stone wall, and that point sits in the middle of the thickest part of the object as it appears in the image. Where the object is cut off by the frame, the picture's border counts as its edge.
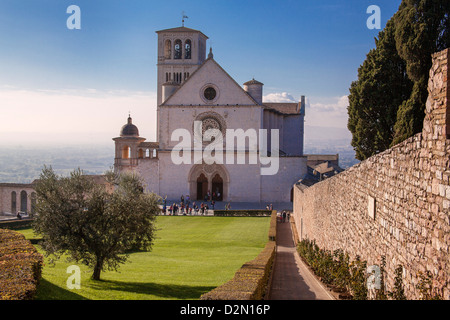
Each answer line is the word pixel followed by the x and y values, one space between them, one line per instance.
pixel 23 198
pixel 395 204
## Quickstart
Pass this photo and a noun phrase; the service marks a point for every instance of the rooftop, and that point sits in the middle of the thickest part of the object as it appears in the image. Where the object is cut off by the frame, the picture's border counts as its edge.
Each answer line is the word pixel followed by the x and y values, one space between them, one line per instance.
pixel 182 29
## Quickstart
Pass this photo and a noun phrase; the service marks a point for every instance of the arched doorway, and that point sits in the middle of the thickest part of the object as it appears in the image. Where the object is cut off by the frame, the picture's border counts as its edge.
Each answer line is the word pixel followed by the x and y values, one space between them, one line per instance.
pixel 23 201
pixel 202 187
pixel 213 178
pixel 13 202
pixel 217 187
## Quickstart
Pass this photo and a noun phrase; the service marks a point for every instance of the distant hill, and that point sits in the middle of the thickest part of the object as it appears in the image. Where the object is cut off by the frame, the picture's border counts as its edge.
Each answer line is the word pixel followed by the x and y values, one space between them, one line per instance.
pixel 23 164
pixel 326 133
pixel 329 140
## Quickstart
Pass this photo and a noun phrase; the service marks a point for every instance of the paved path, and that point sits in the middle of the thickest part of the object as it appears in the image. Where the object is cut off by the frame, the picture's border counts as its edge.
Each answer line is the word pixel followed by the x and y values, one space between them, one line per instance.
pixel 291 278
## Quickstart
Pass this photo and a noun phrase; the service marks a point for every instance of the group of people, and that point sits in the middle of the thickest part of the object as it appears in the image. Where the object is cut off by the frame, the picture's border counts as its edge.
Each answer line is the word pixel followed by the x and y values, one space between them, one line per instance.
pixel 185 207
pixel 215 196
pixel 285 215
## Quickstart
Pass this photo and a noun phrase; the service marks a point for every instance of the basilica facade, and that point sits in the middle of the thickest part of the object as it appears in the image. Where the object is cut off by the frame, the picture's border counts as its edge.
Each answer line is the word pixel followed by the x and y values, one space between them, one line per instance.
pixel 215 137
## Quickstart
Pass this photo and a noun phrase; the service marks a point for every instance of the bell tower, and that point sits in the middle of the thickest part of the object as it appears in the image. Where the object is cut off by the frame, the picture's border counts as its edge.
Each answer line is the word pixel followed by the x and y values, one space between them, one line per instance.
pixel 180 52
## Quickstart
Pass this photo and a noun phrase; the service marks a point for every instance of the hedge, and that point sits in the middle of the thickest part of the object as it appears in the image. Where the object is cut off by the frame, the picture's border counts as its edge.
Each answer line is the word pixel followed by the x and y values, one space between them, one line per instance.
pixel 20 267
pixel 273 226
pixel 243 213
pixel 251 280
pixel 16 224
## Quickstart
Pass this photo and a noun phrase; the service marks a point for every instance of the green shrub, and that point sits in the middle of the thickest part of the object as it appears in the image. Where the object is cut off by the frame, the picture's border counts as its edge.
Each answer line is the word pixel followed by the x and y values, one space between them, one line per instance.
pixel 335 268
pixel 242 213
pixel 16 224
pixel 20 267
pixel 425 287
pixel 398 292
pixel 273 226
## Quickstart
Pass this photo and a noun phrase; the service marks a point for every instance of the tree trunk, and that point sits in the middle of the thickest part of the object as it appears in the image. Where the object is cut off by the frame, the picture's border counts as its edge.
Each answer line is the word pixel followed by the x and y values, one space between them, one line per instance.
pixel 97 269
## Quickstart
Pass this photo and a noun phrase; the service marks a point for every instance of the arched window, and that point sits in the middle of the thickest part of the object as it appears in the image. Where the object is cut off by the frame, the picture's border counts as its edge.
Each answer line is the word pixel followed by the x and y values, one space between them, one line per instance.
pixel 177 49
pixel 154 153
pixel 23 201
pixel 13 202
pixel 168 49
pixel 126 152
pixel 187 49
pixel 147 153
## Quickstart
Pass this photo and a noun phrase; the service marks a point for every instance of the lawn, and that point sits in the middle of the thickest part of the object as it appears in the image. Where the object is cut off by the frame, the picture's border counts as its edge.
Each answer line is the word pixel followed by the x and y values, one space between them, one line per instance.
pixel 190 256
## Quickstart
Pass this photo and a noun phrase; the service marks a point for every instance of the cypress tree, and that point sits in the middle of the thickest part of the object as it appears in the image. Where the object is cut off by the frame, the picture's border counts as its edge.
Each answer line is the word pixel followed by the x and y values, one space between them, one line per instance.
pixel 421 29
pixel 375 97
pixel 387 102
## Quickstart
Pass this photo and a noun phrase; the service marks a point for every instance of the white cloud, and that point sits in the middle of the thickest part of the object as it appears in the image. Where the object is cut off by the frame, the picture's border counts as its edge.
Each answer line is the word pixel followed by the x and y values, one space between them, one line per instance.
pixel 96 116
pixel 279 97
pixel 73 116
pixel 327 112
pixel 338 105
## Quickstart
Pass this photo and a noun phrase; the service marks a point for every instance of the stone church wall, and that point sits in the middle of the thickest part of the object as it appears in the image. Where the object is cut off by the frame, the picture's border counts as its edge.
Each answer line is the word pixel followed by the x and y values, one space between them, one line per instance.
pixel 23 198
pixel 276 188
pixel 394 204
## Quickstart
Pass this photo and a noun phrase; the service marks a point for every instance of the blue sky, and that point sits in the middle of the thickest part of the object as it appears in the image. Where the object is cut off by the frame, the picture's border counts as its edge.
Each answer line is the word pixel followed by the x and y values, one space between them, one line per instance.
pixel 80 84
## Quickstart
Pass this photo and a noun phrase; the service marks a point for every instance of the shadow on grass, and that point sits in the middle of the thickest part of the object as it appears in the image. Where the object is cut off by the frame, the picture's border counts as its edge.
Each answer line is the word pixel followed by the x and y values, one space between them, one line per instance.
pixel 165 291
pixel 48 291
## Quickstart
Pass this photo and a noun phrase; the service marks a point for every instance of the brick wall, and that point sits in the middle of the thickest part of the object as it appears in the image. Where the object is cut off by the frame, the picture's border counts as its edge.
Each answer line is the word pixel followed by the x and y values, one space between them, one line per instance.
pixel 395 204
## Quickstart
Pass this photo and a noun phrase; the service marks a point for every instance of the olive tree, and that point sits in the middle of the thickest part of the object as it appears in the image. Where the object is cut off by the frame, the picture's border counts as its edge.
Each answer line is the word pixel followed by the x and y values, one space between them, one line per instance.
pixel 93 224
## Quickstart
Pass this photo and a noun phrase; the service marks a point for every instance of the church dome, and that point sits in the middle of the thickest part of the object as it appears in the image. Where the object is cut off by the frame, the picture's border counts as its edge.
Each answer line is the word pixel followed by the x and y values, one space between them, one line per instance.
pixel 129 129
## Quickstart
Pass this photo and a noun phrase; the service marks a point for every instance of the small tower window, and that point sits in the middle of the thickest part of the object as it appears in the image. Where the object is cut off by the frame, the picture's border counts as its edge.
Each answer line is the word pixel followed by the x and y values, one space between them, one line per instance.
pixel 126 152
pixel 187 49
pixel 177 47
pixel 168 49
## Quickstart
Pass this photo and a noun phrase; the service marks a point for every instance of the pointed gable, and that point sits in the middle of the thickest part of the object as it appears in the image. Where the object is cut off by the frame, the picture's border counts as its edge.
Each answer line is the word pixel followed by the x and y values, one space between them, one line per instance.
pixel 226 91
